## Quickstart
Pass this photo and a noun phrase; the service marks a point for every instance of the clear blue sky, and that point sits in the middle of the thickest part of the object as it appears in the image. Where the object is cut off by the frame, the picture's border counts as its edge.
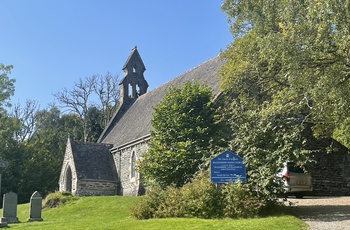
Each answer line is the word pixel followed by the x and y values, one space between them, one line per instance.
pixel 53 43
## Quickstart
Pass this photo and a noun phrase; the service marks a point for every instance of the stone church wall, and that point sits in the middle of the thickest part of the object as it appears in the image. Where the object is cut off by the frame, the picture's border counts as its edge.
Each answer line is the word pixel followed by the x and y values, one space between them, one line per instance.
pixel 330 174
pixel 129 183
pixel 96 188
pixel 68 179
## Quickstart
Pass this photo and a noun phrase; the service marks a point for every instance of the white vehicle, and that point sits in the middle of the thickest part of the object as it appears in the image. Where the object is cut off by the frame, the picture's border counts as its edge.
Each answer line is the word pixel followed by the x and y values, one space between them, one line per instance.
pixel 297 180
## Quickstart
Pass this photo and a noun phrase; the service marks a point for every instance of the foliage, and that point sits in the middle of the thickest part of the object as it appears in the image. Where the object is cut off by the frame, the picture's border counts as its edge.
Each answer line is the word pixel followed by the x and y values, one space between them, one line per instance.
pixel 46 148
pixel 146 208
pixel 33 141
pixel 7 86
pixel 293 54
pixel 56 199
pixel 341 132
pixel 34 162
pixel 185 129
pixel 239 201
pixel 265 141
pixel 107 212
pixel 200 198
pixel 287 72
pixel 94 118
pixel 8 125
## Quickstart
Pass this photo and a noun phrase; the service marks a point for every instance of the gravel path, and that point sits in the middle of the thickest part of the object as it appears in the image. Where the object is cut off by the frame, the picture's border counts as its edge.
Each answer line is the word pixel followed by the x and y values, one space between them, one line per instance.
pixel 324 213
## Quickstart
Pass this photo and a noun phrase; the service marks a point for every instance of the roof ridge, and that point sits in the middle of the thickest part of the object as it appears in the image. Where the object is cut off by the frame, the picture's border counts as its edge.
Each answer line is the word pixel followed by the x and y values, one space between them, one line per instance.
pixel 92 143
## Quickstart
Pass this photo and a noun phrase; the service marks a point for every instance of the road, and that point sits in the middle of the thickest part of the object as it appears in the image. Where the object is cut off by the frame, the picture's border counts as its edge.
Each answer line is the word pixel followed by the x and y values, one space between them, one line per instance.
pixel 323 213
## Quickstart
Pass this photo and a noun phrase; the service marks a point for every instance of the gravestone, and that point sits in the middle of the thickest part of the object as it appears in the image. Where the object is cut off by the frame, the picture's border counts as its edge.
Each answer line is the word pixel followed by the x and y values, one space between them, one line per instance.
pixel 35 207
pixel 9 211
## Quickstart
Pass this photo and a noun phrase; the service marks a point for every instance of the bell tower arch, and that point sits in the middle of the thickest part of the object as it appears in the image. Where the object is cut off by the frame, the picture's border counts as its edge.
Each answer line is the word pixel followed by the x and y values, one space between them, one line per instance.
pixel 133 84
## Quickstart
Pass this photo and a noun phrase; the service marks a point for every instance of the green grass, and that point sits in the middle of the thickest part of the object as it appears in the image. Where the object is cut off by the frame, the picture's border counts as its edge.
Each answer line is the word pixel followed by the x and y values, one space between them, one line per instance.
pixel 113 212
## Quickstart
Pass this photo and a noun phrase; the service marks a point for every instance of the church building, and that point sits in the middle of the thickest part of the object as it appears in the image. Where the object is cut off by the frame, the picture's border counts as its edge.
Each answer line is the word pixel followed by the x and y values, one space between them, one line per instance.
pixel 108 167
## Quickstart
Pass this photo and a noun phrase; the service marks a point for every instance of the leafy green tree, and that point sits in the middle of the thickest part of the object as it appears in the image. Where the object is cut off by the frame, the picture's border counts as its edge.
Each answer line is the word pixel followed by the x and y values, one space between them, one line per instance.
pixel 185 129
pixel 48 144
pixel 94 118
pixel 7 87
pixel 35 162
pixel 265 141
pixel 292 55
pixel 287 72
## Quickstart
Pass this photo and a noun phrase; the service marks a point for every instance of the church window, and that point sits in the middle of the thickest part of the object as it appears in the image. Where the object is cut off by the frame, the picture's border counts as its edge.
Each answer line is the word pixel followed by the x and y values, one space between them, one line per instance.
pixel 130 91
pixel 133 165
pixel 68 181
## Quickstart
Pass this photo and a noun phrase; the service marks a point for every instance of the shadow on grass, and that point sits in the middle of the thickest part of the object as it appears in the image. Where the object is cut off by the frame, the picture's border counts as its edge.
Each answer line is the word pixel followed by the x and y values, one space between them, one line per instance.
pixel 276 210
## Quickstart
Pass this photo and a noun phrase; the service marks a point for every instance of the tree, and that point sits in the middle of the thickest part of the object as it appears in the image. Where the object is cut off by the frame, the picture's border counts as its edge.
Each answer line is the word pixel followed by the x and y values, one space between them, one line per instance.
pixel 94 119
pixel 265 141
pixel 27 117
pixel 7 87
pixel 107 90
pixel 43 152
pixel 184 131
pixel 292 55
pixel 80 99
pixel 287 72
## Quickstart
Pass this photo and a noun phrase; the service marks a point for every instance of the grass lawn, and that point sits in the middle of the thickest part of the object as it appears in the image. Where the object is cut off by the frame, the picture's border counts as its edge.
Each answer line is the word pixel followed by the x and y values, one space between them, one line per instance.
pixel 113 212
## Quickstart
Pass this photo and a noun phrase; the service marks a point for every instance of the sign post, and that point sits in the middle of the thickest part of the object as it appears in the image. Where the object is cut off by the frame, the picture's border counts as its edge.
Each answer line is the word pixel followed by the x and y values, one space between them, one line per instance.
pixel 227 167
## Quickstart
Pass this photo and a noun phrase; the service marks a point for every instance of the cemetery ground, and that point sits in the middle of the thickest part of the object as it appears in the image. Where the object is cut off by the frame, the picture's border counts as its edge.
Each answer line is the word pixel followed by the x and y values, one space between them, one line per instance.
pixel 113 212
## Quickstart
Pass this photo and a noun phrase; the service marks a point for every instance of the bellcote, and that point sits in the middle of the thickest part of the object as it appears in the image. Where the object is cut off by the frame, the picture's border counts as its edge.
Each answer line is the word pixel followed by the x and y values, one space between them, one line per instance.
pixel 133 84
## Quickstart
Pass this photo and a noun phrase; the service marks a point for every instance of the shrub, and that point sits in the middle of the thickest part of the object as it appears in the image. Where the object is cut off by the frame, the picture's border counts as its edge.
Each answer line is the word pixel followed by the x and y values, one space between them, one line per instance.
pixel 239 201
pixel 55 199
pixel 149 204
pixel 200 198
pixel 172 205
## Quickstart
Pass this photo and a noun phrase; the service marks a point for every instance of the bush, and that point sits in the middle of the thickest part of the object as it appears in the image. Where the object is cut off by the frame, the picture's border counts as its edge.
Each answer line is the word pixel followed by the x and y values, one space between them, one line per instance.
pixel 200 198
pixel 149 204
pixel 55 199
pixel 172 205
pixel 239 201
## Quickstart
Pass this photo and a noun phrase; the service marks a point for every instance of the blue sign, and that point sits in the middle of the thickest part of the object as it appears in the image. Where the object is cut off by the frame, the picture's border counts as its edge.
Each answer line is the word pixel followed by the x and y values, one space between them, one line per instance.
pixel 227 167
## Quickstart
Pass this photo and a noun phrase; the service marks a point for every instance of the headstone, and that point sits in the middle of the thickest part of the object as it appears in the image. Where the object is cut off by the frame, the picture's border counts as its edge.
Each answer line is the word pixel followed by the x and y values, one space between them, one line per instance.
pixel 35 207
pixel 3 222
pixel 9 211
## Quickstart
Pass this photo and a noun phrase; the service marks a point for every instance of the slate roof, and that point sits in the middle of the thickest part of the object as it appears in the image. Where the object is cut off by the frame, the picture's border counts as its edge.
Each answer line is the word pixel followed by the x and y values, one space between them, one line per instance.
pixel 135 123
pixel 96 156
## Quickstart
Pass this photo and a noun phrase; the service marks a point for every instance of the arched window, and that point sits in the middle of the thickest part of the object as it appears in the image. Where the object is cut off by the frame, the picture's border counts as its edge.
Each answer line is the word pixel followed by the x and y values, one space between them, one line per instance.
pixel 133 165
pixel 68 182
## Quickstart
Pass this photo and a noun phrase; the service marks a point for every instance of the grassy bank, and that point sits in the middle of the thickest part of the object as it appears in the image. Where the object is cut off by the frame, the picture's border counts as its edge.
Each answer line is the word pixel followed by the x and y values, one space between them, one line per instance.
pixel 113 212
